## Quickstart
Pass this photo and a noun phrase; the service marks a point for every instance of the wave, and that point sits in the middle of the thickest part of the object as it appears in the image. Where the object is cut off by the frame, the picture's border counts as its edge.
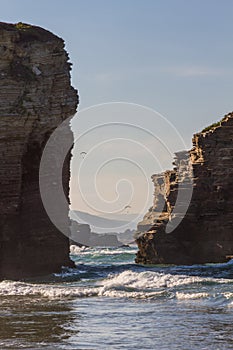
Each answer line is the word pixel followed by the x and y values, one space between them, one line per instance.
pixel 191 296
pixel 80 251
pixel 10 288
pixel 151 280
pixel 127 284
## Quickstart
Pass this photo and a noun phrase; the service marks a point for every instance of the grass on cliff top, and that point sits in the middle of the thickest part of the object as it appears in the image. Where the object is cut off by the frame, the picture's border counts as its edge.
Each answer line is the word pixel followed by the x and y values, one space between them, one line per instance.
pixel 33 33
pixel 214 125
pixel 22 26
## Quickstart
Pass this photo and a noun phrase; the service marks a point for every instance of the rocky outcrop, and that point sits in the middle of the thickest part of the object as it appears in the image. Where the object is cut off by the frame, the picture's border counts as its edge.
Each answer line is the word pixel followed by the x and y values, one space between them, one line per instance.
pixel 81 235
pixel 205 233
pixel 35 97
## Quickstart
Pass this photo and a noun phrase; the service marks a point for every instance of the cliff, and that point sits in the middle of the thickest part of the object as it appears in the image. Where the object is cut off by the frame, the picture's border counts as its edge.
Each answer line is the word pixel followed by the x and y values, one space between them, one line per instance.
pixel 205 232
pixel 35 97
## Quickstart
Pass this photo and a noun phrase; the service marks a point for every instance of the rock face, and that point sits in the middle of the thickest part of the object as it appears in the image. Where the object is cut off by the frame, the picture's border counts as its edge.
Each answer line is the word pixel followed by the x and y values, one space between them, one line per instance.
pixel 206 232
pixel 35 97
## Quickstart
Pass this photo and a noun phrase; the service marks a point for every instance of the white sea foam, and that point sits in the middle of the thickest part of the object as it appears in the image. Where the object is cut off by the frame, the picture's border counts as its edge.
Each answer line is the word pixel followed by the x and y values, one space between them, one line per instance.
pixel 146 284
pixel 75 250
pixel 51 291
pixel 191 296
pixel 8 288
pixel 132 294
pixel 118 251
pixel 151 280
pixel 228 295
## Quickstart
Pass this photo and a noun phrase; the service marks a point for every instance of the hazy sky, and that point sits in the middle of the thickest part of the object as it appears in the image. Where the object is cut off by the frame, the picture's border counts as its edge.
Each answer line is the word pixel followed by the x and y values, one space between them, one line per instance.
pixel 173 56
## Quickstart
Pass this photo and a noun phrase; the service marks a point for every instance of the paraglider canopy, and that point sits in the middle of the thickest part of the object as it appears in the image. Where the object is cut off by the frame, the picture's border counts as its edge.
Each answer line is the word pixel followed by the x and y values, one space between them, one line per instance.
pixel 83 154
pixel 127 208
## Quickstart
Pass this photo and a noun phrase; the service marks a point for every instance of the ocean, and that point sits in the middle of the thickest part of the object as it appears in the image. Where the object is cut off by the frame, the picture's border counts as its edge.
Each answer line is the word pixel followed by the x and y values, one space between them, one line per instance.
pixel 108 302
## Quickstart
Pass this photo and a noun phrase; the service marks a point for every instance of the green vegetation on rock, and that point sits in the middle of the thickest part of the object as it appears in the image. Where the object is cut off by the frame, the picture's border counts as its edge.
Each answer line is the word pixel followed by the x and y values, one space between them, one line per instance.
pixel 22 26
pixel 30 33
pixel 212 126
pixel 215 125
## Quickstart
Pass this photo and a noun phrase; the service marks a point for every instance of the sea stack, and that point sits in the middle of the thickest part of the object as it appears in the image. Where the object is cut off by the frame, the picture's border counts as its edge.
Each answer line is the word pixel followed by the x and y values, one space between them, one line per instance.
pixel 205 234
pixel 35 97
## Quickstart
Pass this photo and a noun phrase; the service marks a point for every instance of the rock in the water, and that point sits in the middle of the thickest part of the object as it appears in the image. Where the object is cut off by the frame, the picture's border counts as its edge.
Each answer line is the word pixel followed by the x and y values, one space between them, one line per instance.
pixel 81 235
pixel 35 97
pixel 205 233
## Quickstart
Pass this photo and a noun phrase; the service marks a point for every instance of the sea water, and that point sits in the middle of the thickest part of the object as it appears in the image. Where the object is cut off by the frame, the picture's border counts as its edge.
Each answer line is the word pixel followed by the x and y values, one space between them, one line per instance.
pixel 108 302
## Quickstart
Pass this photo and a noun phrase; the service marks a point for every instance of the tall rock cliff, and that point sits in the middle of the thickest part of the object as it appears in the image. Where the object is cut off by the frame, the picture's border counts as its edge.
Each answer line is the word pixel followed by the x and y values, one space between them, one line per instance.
pixel 206 232
pixel 35 97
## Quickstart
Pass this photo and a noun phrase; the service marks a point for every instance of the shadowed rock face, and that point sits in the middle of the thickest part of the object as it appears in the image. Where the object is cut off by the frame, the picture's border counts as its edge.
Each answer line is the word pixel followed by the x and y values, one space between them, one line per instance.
pixel 206 232
pixel 35 97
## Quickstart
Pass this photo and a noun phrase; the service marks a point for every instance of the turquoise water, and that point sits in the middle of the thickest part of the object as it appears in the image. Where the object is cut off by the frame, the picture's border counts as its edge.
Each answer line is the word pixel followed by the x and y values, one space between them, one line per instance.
pixel 108 302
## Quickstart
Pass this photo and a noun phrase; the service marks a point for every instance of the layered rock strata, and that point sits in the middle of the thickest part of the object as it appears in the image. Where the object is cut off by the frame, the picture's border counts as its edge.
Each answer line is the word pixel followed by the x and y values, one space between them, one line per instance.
pixel 35 97
pixel 205 233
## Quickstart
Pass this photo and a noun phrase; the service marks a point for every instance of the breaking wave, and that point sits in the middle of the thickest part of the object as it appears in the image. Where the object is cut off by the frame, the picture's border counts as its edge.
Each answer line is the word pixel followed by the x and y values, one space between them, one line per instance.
pixel 127 284
pixel 82 251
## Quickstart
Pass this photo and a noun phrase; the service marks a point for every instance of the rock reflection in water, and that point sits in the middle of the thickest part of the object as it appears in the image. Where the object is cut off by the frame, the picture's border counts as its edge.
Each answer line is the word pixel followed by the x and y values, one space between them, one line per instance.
pixel 35 322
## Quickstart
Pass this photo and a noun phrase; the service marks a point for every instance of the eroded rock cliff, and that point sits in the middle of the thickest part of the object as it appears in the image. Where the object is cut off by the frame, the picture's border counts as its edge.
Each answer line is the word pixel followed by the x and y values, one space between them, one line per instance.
pixel 206 232
pixel 35 97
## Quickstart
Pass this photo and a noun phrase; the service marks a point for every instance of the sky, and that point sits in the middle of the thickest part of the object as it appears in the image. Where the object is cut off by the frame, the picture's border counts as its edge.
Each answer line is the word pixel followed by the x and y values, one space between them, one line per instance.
pixel 173 56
